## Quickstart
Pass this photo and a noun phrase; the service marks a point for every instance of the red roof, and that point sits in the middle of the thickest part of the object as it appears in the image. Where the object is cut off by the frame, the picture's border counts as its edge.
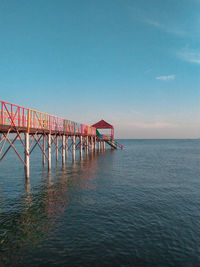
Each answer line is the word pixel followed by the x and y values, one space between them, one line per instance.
pixel 102 125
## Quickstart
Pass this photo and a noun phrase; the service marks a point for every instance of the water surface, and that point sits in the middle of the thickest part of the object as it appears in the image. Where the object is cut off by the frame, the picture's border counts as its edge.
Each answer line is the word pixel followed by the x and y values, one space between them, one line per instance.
pixel 135 207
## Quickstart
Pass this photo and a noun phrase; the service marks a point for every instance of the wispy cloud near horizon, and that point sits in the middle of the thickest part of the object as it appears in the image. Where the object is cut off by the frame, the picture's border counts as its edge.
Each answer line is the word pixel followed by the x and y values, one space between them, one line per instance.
pixel 166 77
pixel 164 27
pixel 190 55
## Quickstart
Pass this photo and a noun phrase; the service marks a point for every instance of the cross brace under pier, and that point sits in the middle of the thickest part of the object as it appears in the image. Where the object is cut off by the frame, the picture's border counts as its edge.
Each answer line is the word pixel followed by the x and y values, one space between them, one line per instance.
pixel 48 144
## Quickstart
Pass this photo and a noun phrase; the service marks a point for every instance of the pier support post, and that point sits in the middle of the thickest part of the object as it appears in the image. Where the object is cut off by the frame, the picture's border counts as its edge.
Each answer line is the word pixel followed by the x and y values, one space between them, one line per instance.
pixel 92 144
pixel 44 149
pixel 66 146
pixel 63 149
pixel 27 156
pixel 57 143
pixel 95 143
pixel 74 147
pixel 81 146
pixel 49 152
pixel 87 145
pixel 99 145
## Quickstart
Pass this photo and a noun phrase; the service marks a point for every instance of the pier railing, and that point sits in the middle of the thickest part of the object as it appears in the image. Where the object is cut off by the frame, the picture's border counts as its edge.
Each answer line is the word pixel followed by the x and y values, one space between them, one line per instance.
pixel 30 119
pixel 45 131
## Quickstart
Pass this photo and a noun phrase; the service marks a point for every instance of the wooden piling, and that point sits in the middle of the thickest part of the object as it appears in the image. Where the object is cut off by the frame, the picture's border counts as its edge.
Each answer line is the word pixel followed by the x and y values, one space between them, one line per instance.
pixel 95 143
pixel 92 144
pixel 81 146
pixel 66 146
pixel 49 152
pixel 44 149
pixel 87 145
pixel 63 149
pixel 74 147
pixel 57 144
pixel 27 156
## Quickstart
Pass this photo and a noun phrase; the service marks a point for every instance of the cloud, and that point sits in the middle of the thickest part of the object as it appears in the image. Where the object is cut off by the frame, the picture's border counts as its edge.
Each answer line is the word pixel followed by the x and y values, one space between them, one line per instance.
pixel 166 78
pixel 166 28
pixel 190 55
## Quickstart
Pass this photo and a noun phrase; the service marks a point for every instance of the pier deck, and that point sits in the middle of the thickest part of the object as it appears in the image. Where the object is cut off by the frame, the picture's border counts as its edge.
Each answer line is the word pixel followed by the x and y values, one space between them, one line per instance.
pixel 32 126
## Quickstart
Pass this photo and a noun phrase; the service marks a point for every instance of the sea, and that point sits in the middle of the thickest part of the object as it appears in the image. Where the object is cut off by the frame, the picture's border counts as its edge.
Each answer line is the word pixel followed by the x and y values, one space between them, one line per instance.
pixel 139 206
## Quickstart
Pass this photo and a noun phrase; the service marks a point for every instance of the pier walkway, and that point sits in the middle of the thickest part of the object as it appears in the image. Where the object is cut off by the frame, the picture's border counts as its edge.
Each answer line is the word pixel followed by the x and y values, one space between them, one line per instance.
pixel 34 128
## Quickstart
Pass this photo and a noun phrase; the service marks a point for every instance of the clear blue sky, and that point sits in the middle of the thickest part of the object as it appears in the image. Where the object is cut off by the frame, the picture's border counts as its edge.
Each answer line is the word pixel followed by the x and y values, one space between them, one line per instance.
pixel 134 63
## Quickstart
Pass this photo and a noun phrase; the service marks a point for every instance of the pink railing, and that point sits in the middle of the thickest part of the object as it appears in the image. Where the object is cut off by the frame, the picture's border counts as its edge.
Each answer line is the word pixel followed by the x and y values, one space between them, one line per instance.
pixel 17 116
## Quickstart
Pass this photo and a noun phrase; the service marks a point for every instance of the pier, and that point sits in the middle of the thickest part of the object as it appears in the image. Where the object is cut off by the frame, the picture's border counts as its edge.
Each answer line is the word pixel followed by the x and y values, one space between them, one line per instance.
pixel 38 129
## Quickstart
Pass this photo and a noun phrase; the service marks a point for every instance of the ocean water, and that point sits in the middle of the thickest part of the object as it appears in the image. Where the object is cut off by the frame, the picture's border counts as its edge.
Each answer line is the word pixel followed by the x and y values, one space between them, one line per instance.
pixel 134 207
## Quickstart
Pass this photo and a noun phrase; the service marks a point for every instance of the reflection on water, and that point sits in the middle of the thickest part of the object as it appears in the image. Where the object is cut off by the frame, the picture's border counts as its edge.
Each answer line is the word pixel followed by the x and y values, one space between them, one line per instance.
pixel 36 213
pixel 135 207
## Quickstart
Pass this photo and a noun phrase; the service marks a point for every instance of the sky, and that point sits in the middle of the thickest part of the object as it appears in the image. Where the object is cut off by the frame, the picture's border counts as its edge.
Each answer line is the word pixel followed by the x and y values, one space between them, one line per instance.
pixel 133 63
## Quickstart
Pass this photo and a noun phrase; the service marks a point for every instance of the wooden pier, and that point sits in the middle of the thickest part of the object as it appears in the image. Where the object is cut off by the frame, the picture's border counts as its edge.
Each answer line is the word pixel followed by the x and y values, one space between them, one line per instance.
pixel 38 129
